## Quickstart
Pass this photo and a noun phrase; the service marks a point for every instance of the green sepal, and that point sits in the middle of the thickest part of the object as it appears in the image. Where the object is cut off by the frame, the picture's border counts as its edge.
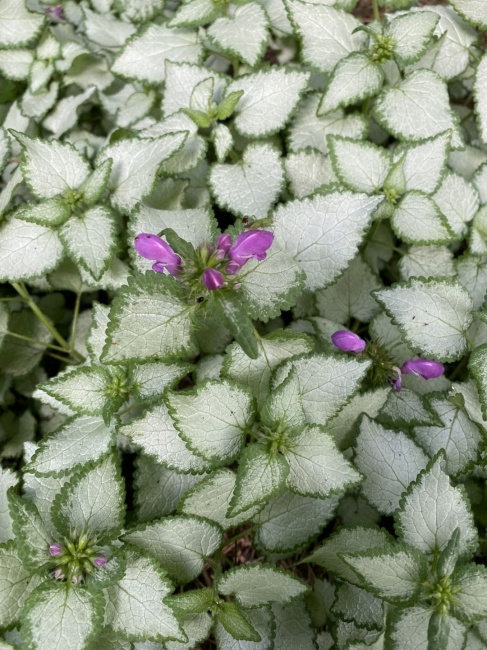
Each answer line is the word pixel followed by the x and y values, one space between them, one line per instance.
pixel 438 631
pixel 195 601
pixel 199 118
pixel 104 529
pixel 233 314
pixel 180 246
pixel 227 106
pixel 233 619
pixel 30 532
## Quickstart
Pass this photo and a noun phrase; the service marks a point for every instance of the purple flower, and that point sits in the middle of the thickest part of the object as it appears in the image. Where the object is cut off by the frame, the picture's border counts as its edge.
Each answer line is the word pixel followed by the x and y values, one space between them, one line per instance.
pixel 396 380
pixel 213 279
pixel 252 243
pixel 58 574
pixel 55 549
pixel 224 243
pixel 348 341
pixel 56 11
pixel 425 368
pixel 100 561
pixel 154 248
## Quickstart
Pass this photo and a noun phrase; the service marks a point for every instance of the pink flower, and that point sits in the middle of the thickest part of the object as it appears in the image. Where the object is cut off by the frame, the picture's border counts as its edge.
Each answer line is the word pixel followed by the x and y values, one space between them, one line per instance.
pixel 425 368
pixel 250 244
pixel 348 341
pixel 154 248
pixel 100 561
pixel 213 279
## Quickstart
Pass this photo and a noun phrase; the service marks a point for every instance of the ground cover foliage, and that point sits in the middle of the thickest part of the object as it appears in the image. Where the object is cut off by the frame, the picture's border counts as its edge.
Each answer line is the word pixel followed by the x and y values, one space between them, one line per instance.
pixel 243 329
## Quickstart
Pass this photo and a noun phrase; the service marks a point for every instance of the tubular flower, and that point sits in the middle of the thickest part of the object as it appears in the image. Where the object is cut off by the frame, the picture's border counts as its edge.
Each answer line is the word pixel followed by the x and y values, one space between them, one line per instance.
pixel 250 244
pixel 348 341
pixel 154 248
pixel 55 550
pixel 425 368
pixel 213 279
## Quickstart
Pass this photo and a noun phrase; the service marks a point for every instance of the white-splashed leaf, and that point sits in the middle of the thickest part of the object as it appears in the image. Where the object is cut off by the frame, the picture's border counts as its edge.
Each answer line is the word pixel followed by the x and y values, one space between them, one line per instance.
pixel 480 93
pixel 306 171
pixel 418 108
pixel 257 585
pixel 180 544
pixel 355 604
pixel 193 13
pixel 272 285
pixel 423 164
pixel 354 539
pixel 18 26
pixel 343 425
pixel 457 435
pixel 410 626
pixel 16 583
pixel 222 141
pixel 472 274
pixel 268 99
pixel 326 33
pixel 28 250
pixel 244 34
pixel 289 520
pixel 458 200
pixel 449 56
pixel 65 115
pixel 427 262
pixel 135 165
pixel 135 606
pixel 7 480
pixel 211 499
pixel 156 435
pixel 472 10
pixel 139 10
pixel 354 78
pixel 434 315
pixel 59 618
pixel 213 418
pixel 274 349
pixel 326 384
pixel 158 490
pixel 432 510
pixel 395 575
pixel 389 460
pixel 316 467
pixel 360 166
pixel 262 622
pixel 411 35
pixel 250 187
pixel 144 55
pixel 417 220
pixel 93 500
pixel 181 80
pixel 260 476
pixel 50 167
pixel 78 441
pixel 322 234
pixel 405 408
pixel 90 239
pixel 151 379
pixel 349 297
pixel 307 129
pixel 470 591
pixel 149 319
pixel 294 628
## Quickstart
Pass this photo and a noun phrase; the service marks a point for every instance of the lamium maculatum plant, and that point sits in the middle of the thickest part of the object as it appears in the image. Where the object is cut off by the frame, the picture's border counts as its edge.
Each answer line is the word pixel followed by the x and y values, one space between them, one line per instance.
pixel 243 325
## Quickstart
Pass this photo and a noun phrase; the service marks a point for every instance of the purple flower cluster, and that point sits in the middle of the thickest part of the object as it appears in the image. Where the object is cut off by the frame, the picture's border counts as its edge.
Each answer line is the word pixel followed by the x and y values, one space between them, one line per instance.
pixel 225 258
pixel 75 568
pixel 425 368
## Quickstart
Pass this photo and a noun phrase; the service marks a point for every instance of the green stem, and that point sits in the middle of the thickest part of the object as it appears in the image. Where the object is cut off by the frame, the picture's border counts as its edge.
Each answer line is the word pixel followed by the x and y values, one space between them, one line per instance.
pixel 22 291
pixel 386 245
pixel 36 341
pixel 375 9
pixel 242 533
pixel 75 320
pixel 470 342
pixel 474 56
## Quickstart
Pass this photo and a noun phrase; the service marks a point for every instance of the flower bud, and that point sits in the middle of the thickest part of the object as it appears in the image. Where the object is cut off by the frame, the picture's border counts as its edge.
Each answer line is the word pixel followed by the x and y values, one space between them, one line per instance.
pixel 55 549
pixel 348 341
pixel 213 279
pixel 224 243
pixel 425 368
pixel 100 561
